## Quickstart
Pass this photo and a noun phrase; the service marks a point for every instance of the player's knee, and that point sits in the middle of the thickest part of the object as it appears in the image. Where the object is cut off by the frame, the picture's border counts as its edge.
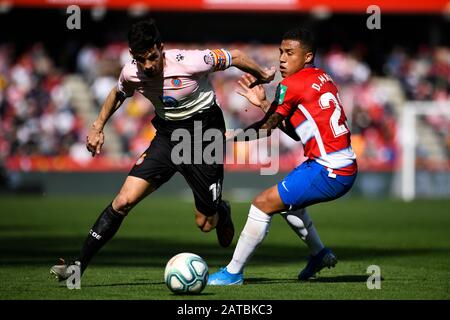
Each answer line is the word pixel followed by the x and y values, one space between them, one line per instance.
pixel 206 228
pixel 204 223
pixel 269 201
pixel 122 204
pixel 261 202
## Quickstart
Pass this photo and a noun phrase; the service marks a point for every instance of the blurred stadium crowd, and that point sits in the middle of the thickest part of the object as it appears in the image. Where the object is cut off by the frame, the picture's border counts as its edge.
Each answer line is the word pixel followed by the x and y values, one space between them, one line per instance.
pixel 38 116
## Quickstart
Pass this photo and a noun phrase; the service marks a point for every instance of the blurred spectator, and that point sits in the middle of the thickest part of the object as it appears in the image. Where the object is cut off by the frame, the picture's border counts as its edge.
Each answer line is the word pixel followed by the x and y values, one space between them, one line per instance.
pixel 424 75
pixel 37 117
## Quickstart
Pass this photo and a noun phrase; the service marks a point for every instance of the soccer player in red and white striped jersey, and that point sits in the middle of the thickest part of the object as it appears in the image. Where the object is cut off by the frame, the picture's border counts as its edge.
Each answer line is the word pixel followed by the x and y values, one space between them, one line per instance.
pixel 308 108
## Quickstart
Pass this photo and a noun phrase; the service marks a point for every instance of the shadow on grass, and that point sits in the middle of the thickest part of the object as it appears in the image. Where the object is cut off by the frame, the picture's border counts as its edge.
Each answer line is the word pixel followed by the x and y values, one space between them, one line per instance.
pixel 268 281
pixel 335 279
pixel 151 252
pixel 342 279
pixel 125 284
pixel 192 295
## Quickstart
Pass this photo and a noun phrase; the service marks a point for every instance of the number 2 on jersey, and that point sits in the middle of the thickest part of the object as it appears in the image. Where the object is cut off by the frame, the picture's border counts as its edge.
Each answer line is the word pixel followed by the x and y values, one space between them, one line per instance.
pixel 324 102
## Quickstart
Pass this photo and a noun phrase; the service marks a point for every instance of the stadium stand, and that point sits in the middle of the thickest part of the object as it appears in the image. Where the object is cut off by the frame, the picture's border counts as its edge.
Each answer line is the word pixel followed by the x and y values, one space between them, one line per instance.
pixel 45 111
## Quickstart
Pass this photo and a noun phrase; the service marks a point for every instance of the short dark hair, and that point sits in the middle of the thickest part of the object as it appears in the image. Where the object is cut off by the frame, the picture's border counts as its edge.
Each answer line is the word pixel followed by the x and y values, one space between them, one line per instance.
pixel 143 35
pixel 304 36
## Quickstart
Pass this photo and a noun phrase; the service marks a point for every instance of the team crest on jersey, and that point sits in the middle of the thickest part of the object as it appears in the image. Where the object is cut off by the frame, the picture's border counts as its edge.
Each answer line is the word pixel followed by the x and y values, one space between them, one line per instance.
pixel 141 159
pixel 281 93
pixel 176 82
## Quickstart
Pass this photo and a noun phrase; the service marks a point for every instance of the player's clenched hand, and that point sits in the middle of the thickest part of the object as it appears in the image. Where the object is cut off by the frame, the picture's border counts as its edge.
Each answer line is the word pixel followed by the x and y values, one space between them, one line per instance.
pixel 94 141
pixel 267 76
pixel 255 95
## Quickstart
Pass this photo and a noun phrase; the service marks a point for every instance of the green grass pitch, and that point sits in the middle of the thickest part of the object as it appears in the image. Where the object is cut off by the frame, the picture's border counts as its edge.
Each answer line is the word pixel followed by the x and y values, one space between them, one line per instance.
pixel 410 242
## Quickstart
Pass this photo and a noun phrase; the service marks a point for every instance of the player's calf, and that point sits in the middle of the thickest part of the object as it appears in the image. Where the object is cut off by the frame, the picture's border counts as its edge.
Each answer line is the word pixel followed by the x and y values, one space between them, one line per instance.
pixel 101 232
pixel 225 226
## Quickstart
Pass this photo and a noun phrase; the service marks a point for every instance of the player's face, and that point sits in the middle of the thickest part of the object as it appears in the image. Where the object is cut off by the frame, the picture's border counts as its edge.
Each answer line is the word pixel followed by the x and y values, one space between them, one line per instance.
pixel 151 61
pixel 293 57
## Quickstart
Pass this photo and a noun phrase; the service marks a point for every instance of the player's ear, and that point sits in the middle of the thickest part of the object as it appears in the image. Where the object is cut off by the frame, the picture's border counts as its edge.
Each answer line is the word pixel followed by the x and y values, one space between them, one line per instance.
pixel 309 57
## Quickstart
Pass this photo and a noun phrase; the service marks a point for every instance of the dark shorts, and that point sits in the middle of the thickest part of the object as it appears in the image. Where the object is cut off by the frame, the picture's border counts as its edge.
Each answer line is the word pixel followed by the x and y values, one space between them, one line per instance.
pixel 161 161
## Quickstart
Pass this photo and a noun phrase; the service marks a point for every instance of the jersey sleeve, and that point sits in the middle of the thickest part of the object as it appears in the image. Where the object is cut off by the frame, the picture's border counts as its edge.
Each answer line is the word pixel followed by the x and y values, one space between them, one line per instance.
pixel 285 99
pixel 209 60
pixel 125 86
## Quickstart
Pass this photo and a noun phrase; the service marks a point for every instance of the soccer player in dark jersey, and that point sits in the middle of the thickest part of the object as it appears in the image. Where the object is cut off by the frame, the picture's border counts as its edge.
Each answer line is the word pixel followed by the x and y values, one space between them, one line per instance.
pixel 308 108
pixel 177 84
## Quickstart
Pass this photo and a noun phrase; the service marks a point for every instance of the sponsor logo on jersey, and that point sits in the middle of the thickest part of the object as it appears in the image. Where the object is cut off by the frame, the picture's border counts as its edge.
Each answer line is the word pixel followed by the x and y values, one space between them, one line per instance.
pixel 281 93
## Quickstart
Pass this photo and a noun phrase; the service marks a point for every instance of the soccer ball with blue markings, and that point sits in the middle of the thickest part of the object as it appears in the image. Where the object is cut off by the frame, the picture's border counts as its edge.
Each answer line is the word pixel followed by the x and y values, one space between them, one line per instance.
pixel 186 273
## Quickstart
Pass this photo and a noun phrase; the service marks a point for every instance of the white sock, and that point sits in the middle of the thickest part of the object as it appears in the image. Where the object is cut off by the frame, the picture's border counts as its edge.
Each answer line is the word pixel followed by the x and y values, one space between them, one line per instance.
pixel 254 232
pixel 302 225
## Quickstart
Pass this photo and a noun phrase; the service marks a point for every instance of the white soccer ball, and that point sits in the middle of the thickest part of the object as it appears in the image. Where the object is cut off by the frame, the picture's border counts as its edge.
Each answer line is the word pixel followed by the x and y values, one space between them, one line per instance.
pixel 186 273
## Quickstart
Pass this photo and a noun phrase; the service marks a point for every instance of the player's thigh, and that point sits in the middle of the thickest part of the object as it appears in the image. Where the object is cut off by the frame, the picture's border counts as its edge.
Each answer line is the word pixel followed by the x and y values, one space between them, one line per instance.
pixel 205 180
pixel 269 201
pixel 311 183
pixel 155 164
pixel 151 170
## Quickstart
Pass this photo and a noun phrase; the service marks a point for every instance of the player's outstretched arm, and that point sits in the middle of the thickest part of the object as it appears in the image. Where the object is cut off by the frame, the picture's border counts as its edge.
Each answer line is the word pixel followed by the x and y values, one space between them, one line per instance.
pixel 243 62
pixel 260 129
pixel 287 128
pixel 95 138
pixel 257 97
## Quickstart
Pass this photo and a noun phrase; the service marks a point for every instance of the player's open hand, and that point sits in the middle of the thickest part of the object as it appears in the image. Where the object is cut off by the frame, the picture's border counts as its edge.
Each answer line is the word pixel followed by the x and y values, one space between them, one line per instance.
pixel 256 95
pixel 94 141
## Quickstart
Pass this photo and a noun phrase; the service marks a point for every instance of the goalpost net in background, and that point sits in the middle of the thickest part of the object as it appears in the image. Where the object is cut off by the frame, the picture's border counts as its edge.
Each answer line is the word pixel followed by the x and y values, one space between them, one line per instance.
pixel 425 147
